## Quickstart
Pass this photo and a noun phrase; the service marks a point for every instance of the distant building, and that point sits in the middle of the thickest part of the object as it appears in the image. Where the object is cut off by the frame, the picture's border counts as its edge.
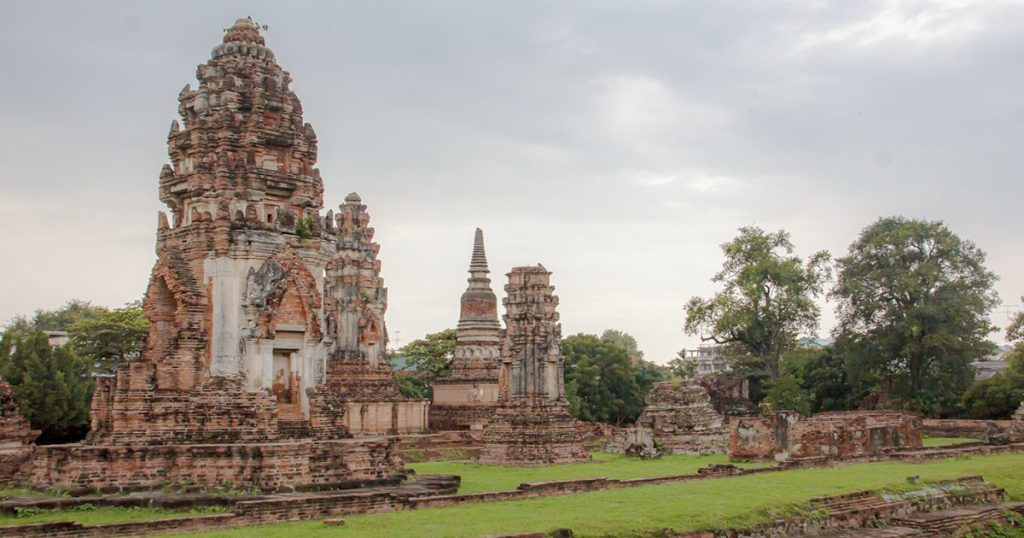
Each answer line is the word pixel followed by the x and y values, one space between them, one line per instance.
pixel 56 338
pixel 991 365
pixel 709 359
pixel 815 342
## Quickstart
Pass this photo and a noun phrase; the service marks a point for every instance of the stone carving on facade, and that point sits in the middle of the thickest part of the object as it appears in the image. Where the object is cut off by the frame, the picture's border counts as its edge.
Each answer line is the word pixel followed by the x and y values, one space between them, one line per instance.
pixel 261 283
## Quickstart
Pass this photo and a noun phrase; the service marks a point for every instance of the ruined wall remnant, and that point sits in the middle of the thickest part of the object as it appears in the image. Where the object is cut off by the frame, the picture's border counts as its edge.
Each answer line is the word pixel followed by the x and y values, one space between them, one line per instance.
pixel 682 420
pixel 16 438
pixel 786 436
pixel 468 396
pixel 531 424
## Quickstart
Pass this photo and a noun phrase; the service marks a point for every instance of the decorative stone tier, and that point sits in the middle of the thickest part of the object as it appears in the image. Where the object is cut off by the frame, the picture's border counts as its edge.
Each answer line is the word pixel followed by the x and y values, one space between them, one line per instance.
pixel 267 466
pixel 532 431
pixel 786 436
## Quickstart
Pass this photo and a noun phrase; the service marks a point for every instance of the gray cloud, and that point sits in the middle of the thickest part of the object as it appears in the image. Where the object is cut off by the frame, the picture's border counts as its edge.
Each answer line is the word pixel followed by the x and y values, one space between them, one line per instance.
pixel 619 143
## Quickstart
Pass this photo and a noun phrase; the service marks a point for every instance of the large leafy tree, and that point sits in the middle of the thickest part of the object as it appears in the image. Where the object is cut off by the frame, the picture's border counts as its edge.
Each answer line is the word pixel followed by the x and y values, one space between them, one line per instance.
pixel 913 308
pixel 601 384
pixel 426 358
pixel 623 340
pixel 110 337
pixel 52 384
pixel 767 299
pixel 1016 329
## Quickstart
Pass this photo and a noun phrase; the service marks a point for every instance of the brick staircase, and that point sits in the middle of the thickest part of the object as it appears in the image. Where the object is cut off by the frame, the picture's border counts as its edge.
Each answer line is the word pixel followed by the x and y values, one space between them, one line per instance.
pixel 291 423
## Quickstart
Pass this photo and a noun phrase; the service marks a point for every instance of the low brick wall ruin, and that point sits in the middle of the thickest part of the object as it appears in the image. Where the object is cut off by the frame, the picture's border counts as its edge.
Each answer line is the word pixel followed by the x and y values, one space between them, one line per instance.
pixel 786 436
pixel 971 429
pixel 267 466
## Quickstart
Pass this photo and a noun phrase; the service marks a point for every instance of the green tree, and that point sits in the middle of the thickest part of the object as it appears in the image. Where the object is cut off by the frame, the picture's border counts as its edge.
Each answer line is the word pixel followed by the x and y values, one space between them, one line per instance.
pixel 913 307
pixel 1015 331
pixel 823 377
pixel 997 397
pixel 52 384
pixel 647 374
pixel 61 319
pixel 786 393
pixel 767 299
pixel 600 382
pixel 682 368
pixel 623 340
pixel 429 357
pixel 110 337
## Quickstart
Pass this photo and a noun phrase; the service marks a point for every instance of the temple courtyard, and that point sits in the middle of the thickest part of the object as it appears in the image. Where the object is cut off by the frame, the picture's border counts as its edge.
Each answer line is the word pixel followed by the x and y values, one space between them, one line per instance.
pixel 716 502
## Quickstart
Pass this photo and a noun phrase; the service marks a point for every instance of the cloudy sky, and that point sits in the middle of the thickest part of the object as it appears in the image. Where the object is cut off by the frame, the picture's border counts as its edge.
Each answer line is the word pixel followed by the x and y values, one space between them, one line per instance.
pixel 617 143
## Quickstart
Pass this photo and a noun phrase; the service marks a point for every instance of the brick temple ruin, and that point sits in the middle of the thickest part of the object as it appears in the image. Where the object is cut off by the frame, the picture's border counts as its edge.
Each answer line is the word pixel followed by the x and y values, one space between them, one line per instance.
pixel 266 352
pixel 468 396
pixel 786 436
pixel 532 424
pixel 16 438
pixel 680 418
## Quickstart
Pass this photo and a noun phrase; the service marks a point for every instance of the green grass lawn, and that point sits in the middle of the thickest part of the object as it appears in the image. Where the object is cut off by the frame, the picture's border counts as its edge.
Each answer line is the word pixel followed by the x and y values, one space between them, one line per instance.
pixel 946 441
pixel 477 478
pixel 723 502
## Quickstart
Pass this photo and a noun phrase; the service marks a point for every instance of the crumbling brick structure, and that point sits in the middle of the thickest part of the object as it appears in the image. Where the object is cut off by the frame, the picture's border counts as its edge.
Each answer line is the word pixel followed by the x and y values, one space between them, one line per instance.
pixel 532 424
pixel 786 436
pixel 681 419
pixel 468 396
pixel 16 438
pixel 267 319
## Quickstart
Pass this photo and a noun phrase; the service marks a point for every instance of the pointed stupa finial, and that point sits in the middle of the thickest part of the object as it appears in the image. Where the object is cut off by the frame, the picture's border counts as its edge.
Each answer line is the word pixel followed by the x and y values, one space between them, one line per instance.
pixel 478 264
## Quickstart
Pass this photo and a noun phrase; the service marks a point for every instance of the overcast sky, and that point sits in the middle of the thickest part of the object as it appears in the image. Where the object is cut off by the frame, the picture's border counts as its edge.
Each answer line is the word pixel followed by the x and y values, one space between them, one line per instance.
pixel 617 143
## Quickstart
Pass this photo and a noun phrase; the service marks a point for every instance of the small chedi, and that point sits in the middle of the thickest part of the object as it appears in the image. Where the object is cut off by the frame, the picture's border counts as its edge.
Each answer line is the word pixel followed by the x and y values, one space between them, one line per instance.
pixel 532 424
pixel 265 354
pixel 680 418
pixel 786 436
pixel 468 396
pixel 16 438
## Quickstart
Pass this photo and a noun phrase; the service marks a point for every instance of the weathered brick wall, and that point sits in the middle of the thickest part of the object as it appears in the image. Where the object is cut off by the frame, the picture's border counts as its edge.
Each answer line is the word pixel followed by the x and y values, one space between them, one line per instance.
pixel 268 466
pixel 447 417
pixel 786 436
pixel 16 438
pixel 973 429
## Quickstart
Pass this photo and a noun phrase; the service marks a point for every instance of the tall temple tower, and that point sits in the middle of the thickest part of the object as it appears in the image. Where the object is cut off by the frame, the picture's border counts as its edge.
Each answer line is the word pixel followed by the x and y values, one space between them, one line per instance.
pixel 467 397
pixel 532 424
pixel 240 337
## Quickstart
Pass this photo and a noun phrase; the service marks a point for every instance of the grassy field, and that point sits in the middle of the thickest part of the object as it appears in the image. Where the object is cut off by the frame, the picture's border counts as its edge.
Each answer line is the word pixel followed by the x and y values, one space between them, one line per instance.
pixel 737 501
pixel 477 478
pixel 946 441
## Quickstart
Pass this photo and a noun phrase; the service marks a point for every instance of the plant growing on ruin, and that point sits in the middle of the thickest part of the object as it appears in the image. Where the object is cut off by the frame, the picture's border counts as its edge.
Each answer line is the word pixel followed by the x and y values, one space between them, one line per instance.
pixel 914 300
pixel 767 299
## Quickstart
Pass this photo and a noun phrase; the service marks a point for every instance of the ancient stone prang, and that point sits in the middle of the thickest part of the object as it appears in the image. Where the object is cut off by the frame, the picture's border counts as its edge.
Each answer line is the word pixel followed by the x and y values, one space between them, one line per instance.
pixel 532 424
pixel 467 397
pixel 267 319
